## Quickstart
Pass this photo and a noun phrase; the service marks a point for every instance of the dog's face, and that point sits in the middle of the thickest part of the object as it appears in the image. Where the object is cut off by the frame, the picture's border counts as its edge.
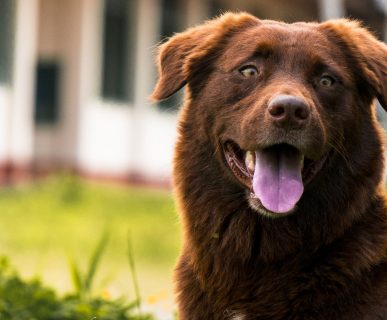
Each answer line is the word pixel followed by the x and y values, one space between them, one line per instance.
pixel 278 101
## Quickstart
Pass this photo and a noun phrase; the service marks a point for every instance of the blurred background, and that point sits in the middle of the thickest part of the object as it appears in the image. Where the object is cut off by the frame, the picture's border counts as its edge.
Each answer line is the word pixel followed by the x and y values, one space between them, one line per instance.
pixel 83 152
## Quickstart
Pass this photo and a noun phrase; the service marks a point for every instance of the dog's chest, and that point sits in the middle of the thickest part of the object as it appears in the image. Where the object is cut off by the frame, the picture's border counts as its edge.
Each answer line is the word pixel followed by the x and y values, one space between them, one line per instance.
pixel 290 297
pixel 238 316
pixel 230 314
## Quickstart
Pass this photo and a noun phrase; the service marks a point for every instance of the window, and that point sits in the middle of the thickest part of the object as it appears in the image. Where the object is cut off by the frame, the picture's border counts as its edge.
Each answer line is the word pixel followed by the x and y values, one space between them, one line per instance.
pixel 46 93
pixel 215 8
pixel 6 40
pixel 288 11
pixel 171 17
pixel 371 12
pixel 171 22
pixel 118 50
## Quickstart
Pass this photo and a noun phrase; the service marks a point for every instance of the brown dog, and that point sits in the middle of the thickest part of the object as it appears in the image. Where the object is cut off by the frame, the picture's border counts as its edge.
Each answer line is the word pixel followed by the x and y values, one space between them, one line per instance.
pixel 278 169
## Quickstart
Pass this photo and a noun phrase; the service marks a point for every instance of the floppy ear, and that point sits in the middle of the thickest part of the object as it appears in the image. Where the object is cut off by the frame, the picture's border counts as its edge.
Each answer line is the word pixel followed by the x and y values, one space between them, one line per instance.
pixel 174 56
pixel 171 58
pixel 370 54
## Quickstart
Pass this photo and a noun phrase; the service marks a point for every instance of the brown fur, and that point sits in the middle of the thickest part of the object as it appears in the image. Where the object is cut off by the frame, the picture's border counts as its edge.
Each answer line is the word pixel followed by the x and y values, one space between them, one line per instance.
pixel 327 260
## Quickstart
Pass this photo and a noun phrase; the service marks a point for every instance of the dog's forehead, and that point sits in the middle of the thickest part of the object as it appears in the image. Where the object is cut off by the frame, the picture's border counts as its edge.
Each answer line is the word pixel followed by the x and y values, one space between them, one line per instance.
pixel 298 38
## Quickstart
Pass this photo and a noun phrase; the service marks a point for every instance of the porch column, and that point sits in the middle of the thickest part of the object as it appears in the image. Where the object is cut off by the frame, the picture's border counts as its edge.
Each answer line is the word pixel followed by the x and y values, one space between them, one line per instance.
pixel 331 9
pixel 21 144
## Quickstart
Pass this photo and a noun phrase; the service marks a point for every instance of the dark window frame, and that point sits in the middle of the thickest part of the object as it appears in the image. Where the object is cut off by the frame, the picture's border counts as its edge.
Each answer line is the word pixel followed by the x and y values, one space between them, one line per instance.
pixel 47 92
pixel 118 50
pixel 7 33
pixel 371 14
pixel 172 21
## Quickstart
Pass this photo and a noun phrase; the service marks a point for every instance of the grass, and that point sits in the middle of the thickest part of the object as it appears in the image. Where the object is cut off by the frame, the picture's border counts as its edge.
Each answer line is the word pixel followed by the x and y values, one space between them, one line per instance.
pixel 43 224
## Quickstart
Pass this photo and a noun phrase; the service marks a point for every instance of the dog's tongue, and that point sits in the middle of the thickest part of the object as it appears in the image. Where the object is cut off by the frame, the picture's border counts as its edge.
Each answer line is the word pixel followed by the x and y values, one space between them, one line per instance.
pixel 277 180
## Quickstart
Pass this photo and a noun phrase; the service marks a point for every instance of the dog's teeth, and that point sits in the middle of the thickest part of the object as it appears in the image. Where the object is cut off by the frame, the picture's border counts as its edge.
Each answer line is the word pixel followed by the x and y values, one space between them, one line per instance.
pixel 250 161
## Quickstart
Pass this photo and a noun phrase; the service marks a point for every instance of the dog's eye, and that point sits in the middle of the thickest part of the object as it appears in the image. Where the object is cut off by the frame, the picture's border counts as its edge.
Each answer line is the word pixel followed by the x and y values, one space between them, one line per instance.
pixel 248 71
pixel 326 81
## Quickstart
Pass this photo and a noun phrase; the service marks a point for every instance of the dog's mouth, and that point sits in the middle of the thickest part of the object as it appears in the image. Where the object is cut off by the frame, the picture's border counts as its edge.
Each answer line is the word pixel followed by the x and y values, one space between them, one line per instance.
pixel 275 175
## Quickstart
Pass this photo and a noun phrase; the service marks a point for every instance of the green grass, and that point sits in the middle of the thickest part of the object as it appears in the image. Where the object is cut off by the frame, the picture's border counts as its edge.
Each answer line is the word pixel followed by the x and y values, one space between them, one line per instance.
pixel 44 224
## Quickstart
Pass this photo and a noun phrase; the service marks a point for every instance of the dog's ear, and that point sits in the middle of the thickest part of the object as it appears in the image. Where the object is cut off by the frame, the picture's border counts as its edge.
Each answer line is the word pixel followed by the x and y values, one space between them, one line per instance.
pixel 370 55
pixel 171 58
pixel 189 46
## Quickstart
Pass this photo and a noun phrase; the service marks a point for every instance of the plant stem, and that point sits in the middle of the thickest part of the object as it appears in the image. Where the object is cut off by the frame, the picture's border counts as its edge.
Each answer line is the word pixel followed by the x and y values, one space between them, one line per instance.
pixel 134 273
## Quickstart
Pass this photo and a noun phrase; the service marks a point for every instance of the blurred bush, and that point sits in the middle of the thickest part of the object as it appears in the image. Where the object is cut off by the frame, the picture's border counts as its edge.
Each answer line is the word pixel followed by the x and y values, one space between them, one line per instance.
pixel 30 300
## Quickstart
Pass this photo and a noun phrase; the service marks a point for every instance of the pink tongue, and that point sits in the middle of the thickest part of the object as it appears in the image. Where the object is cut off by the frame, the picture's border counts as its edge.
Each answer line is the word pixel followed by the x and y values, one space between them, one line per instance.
pixel 277 178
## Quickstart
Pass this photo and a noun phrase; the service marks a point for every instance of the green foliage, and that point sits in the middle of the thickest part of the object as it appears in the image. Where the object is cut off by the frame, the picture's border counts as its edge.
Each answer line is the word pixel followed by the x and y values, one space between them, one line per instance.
pixel 30 300
pixel 83 282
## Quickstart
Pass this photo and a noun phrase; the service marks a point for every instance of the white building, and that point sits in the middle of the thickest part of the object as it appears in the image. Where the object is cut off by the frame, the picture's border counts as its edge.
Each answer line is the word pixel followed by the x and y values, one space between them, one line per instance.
pixel 75 76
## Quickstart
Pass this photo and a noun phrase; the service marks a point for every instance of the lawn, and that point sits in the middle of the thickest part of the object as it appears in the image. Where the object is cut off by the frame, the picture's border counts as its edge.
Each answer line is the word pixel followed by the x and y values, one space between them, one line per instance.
pixel 45 224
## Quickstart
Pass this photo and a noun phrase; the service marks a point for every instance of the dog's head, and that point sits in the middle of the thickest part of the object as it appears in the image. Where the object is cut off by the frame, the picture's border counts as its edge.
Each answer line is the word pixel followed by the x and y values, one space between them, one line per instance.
pixel 278 102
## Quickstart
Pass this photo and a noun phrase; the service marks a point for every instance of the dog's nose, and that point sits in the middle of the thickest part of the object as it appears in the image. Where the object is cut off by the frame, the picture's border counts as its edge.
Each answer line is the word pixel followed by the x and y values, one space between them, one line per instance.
pixel 288 111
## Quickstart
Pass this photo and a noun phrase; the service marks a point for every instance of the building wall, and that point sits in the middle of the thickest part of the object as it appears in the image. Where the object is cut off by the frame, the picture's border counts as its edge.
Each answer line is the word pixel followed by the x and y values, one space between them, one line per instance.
pixel 133 140
pixel 5 106
pixel 59 41
pixel 16 107
pixel 99 137
pixel 93 135
pixel 21 140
